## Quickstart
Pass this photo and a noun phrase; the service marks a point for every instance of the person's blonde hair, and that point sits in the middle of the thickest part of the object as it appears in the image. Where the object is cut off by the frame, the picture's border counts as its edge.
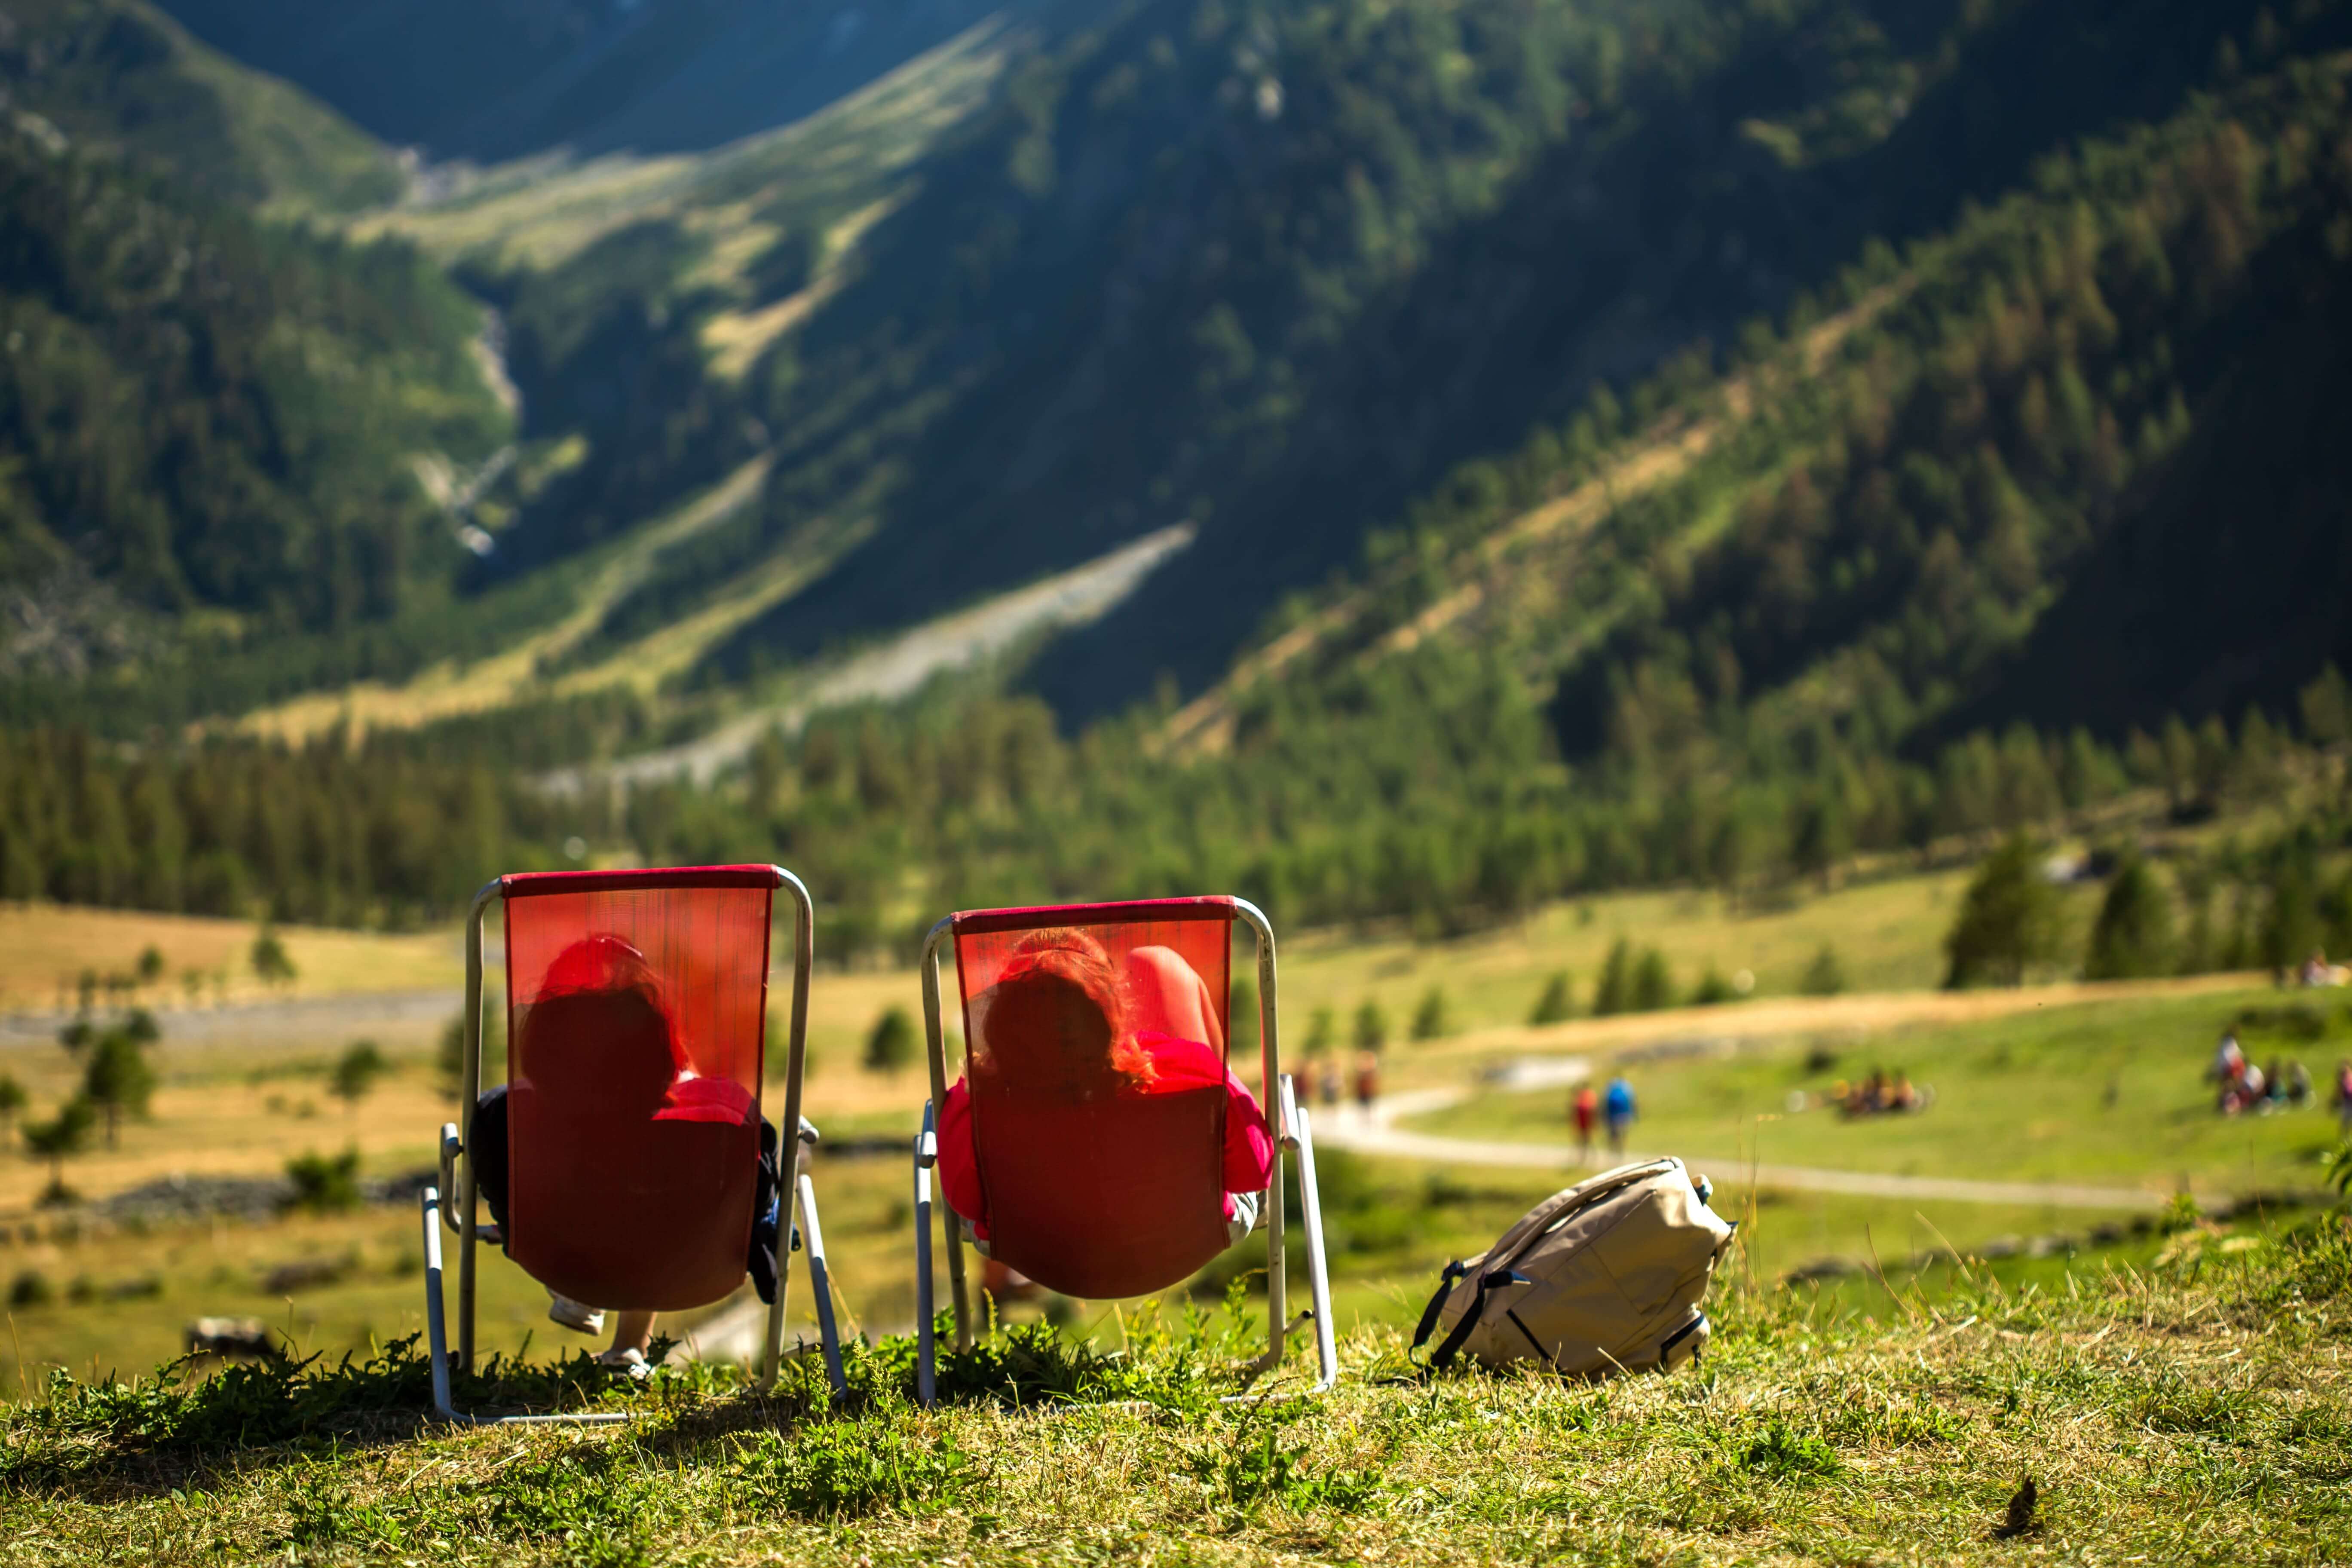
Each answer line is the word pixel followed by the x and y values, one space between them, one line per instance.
pixel 1059 1014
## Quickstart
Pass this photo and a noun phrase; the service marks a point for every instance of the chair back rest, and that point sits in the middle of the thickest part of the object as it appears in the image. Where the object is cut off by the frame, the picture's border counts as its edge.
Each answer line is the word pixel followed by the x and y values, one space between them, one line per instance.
pixel 636 1007
pixel 1116 1194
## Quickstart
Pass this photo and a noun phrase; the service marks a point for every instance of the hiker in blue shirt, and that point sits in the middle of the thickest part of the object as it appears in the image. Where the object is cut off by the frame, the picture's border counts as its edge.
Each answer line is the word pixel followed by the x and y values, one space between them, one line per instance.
pixel 1617 1105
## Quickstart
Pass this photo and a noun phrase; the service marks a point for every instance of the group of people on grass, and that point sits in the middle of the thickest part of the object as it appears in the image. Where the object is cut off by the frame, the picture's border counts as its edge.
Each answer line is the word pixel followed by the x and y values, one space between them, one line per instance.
pixel 1880 1095
pixel 2243 1087
pixel 1064 1020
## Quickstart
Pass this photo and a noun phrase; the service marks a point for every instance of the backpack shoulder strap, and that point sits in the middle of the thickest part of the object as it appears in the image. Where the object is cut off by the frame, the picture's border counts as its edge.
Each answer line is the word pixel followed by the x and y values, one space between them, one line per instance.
pixel 1454 1274
pixel 1488 1283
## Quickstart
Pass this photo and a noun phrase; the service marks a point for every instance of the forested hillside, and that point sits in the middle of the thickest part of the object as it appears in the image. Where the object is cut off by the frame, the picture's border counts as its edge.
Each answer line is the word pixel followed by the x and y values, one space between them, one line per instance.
pixel 209 426
pixel 119 78
pixel 1275 270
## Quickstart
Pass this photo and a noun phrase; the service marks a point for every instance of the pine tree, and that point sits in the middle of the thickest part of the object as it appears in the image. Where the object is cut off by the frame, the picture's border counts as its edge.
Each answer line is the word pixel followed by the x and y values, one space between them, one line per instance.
pixel 1825 976
pixel 1429 1020
pixel 2008 920
pixel 2132 937
pixel 1615 991
pixel 1654 982
pixel 1556 1004
pixel 119 1081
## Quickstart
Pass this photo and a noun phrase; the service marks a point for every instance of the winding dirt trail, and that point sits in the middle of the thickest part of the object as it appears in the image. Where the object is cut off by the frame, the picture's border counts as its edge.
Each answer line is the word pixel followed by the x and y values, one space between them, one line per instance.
pixel 1378 1134
pixel 1692 1028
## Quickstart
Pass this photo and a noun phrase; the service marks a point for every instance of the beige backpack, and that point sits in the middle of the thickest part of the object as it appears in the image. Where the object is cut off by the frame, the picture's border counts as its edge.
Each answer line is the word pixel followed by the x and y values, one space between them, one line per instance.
pixel 1605 1277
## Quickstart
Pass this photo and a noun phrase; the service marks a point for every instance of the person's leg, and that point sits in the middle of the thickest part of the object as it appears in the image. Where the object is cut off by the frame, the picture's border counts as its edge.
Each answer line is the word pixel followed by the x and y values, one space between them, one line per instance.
pixel 631 1332
pixel 1167 994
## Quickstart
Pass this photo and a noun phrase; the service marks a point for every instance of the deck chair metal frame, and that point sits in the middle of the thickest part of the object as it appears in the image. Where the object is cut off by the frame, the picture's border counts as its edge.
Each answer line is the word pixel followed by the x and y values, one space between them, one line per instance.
pixel 456 1170
pixel 1293 1137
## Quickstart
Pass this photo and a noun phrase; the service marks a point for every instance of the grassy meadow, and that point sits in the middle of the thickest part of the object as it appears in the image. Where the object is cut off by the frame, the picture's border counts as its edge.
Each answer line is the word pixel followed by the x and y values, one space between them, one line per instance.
pixel 2108 1092
pixel 233 1103
pixel 2187 1405
pixel 2168 1382
pixel 44 948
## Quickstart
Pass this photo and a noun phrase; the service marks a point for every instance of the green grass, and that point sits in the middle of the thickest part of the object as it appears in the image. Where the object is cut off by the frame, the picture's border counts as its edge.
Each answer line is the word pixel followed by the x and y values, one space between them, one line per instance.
pixel 2105 1093
pixel 2188 1409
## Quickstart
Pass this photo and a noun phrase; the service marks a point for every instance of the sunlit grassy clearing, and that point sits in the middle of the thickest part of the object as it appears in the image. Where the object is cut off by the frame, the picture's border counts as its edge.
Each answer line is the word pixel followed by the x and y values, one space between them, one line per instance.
pixel 2105 1093
pixel 2186 1411
pixel 1392 1230
pixel 45 947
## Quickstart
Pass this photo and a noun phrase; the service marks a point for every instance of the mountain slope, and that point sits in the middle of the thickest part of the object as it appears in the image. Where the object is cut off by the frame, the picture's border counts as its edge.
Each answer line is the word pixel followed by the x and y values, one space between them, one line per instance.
pixel 490 81
pixel 118 77
pixel 1277 275
pixel 2075 463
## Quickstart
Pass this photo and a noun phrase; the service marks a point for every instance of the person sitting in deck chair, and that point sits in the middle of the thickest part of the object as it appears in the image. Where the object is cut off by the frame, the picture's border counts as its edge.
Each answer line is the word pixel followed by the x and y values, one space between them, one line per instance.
pixel 1068 1024
pixel 598 1048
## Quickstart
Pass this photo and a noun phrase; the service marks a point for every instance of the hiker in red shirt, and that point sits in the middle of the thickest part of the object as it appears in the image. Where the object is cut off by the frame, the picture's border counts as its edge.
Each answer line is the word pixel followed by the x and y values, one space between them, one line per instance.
pixel 1586 1108
pixel 1082 1029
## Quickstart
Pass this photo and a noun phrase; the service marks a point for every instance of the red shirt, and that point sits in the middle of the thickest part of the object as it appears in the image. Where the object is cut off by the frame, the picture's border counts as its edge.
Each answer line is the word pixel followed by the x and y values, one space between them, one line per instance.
pixel 1178 1065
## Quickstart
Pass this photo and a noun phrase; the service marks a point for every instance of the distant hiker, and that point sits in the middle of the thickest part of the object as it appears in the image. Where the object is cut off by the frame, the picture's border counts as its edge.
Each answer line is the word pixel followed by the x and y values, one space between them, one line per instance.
pixel 1586 1110
pixel 2298 1084
pixel 1368 1082
pixel 1327 1086
pixel 1618 1106
pixel 2344 1097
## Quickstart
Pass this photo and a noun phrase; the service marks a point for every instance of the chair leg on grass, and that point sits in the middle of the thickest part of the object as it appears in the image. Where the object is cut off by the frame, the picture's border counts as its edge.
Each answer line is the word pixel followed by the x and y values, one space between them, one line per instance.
pixel 926 1155
pixel 821 1282
pixel 1319 1276
pixel 436 1339
pixel 436 1329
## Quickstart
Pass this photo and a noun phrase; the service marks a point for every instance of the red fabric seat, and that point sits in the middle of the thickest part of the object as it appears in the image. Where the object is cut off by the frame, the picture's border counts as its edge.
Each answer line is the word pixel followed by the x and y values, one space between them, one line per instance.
pixel 1148 1213
pixel 638 1003
pixel 1145 1209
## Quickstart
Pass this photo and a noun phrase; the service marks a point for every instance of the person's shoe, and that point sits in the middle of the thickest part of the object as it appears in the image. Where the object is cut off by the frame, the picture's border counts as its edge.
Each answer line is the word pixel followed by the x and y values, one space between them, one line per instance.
pixel 574 1314
pixel 629 1363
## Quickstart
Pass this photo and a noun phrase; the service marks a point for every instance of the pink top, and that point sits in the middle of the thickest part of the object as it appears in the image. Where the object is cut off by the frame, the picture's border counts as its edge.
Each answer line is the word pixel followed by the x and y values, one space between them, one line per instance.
pixel 1177 1064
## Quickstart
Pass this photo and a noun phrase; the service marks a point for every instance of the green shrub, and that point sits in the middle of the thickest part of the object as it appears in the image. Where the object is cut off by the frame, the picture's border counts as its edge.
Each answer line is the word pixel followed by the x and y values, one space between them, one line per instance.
pixel 325 1185
pixel 1371 1027
pixel 31 1287
pixel 891 1046
pixel 1713 989
pixel 354 1076
pixel 1825 976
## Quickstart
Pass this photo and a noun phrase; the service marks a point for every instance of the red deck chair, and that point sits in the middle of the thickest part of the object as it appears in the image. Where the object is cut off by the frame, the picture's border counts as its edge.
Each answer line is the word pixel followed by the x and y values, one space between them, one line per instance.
pixel 1148 1214
pixel 636 1015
